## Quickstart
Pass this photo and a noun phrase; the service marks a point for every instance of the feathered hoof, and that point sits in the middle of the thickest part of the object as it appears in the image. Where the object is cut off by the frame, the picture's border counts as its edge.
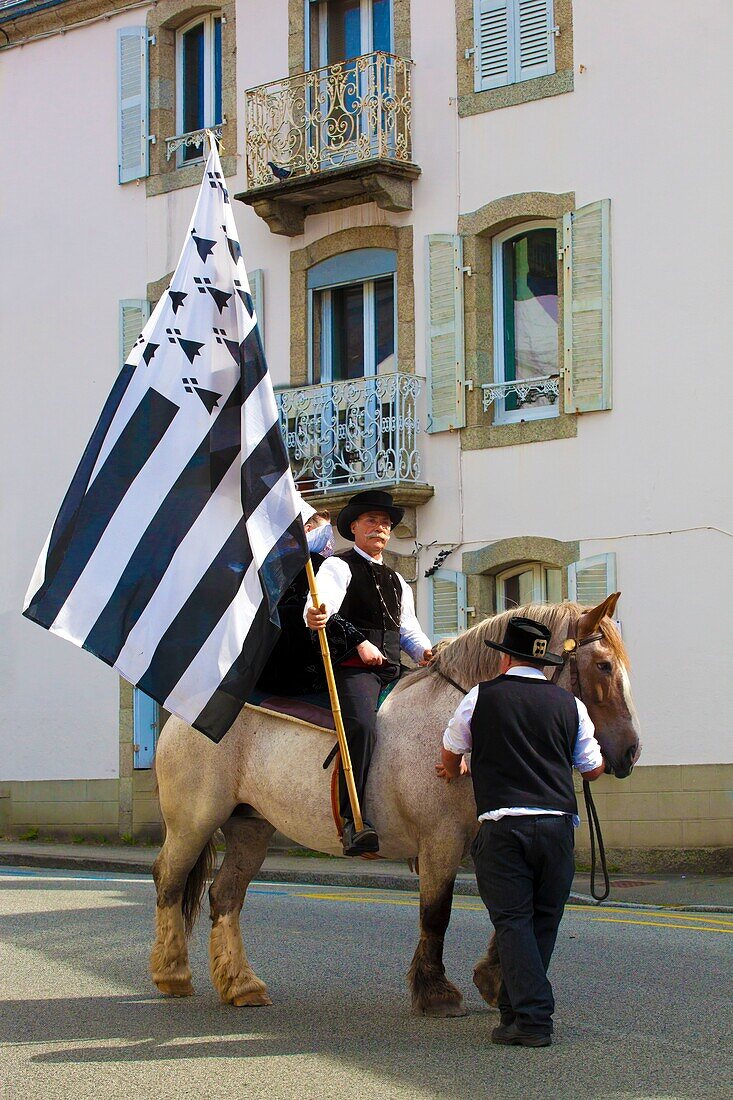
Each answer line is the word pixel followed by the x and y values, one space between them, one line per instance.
pixel 256 998
pixel 441 1010
pixel 175 987
pixel 487 980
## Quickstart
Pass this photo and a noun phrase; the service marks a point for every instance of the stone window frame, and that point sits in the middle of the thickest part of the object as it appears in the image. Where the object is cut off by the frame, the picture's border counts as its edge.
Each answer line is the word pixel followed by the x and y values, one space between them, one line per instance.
pixel 164 19
pixel 296 33
pixel 478 230
pixel 481 567
pixel 471 102
pixel 398 239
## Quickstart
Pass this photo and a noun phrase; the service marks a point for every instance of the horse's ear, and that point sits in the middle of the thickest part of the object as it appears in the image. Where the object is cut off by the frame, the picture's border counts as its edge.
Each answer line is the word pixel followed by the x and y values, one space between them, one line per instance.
pixel 590 620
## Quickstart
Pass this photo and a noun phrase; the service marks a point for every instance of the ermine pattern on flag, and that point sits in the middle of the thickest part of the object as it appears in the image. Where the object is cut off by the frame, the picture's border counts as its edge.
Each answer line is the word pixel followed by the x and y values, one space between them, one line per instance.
pixel 182 525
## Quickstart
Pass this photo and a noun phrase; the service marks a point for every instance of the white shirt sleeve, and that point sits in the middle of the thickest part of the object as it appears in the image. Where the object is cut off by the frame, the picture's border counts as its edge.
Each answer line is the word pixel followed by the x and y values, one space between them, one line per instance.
pixel 587 752
pixel 332 581
pixel 457 737
pixel 412 638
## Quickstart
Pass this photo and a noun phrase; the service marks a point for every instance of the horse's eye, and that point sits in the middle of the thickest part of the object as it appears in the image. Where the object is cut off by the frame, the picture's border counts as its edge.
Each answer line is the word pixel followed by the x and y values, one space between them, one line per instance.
pixel 604 666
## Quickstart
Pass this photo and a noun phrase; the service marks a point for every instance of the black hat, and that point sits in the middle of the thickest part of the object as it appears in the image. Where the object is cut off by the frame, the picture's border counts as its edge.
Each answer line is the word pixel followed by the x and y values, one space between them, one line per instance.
pixel 527 638
pixel 370 500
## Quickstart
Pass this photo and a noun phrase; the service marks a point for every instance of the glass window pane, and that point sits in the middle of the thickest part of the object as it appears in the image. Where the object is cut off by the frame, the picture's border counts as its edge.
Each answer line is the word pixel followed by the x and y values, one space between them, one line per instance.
pixel 384 325
pixel 530 311
pixel 553 586
pixel 193 87
pixel 517 590
pixel 347 334
pixel 344 29
pixel 217 73
pixel 381 25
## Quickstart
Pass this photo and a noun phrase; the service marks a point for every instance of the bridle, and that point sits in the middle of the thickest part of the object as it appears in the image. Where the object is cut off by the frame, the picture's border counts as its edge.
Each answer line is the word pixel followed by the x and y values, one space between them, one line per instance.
pixel 570 648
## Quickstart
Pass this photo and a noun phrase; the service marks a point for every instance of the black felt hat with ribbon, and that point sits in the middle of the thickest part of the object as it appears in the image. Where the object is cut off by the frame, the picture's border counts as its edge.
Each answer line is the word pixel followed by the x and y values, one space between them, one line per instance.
pixel 527 638
pixel 369 500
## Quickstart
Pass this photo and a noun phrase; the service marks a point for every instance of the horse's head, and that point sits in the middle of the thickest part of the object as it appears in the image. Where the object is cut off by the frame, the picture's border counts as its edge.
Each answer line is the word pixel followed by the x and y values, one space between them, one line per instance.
pixel 604 682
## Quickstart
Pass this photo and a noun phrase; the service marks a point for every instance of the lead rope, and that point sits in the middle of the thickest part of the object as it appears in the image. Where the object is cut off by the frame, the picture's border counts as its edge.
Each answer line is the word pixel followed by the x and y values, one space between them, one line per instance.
pixel 570 654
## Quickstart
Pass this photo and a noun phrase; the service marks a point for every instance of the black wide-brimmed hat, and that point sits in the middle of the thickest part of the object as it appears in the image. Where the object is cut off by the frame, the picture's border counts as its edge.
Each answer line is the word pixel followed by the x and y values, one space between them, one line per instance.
pixel 370 500
pixel 527 638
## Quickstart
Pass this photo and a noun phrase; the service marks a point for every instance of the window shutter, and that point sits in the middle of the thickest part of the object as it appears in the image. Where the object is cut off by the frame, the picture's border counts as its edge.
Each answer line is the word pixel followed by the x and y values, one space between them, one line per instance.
pixel 534 39
pixel 447 604
pixel 444 280
pixel 134 312
pixel 587 308
pixel 257 288
pixel 492 40
pixel 592 579
pixel 132 97
pixel 145 723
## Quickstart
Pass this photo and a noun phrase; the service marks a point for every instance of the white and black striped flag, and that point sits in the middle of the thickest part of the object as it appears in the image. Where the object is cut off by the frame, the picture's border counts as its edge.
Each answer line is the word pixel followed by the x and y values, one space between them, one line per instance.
pixel 182 525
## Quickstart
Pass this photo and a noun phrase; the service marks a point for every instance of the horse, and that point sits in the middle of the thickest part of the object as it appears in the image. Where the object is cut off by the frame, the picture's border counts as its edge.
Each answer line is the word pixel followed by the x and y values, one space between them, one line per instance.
pixel 267 773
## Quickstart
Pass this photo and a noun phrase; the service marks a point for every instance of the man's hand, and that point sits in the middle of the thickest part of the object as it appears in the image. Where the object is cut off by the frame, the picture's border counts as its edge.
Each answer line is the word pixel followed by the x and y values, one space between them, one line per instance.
pixel 317 617
pixel 426 658
pixel 369 653
pixel 449 766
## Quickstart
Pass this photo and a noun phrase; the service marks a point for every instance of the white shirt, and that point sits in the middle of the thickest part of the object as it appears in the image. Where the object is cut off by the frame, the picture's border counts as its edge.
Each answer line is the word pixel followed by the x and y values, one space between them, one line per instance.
pixel 586 752
pixel 334 578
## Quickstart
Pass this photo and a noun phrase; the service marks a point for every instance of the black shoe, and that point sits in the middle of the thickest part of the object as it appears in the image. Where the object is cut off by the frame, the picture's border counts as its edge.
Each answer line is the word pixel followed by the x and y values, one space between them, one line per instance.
pixel 359 843
pixel 511 1036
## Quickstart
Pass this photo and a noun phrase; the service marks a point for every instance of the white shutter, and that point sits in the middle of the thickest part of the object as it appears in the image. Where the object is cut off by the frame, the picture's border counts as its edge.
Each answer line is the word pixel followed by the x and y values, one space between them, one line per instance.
pixel 587 308
pixel 447 604
pixel 534 40
pixel 257 288
pixel 492 29
pixel 444 282
pixel 132 92
pixel 134 312
pixel 592 579
pixel 146 727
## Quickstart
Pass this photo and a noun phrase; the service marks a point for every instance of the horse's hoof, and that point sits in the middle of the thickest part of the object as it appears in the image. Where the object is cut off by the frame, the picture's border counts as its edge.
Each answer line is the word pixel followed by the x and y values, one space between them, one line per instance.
pixel 487 985
pixel 442 1010
pixel 175 987
pixel 254 999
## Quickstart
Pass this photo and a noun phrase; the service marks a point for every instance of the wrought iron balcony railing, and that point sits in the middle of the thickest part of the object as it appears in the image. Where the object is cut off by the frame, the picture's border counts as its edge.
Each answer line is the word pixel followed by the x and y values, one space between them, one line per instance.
pixel 526 390
pixel 359 432
pixel 355 111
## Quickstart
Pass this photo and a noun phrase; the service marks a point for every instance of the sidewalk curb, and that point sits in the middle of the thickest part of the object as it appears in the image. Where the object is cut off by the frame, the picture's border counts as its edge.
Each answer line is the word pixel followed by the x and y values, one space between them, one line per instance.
pixel 465 884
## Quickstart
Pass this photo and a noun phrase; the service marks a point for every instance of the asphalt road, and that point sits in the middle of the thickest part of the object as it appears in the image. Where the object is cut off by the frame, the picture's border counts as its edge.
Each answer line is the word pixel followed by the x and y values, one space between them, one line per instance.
pixel 643 996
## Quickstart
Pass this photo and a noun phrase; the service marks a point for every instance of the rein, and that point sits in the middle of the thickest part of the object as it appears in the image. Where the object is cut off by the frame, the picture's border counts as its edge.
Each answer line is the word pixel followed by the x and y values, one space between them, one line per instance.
pixel 570 661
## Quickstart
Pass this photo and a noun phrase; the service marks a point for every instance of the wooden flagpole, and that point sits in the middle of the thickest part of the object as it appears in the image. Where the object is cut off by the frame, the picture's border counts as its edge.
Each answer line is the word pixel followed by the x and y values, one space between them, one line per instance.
pixel 335 706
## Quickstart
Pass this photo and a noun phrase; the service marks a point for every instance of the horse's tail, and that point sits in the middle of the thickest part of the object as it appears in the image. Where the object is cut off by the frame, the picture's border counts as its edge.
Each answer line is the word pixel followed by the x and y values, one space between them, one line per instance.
pixel 193 891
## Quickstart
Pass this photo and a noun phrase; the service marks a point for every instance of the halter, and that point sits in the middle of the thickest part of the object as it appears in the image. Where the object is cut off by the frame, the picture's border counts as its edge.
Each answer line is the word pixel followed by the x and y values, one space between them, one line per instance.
pixel 570 648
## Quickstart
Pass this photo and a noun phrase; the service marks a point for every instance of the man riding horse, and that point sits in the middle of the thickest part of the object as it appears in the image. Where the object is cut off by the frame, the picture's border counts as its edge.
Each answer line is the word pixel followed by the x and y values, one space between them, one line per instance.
pixel 369 615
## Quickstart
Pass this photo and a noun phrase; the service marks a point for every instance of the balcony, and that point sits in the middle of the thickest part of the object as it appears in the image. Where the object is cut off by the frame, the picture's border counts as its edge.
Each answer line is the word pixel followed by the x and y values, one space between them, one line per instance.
pixel 346 436
pixel 328 138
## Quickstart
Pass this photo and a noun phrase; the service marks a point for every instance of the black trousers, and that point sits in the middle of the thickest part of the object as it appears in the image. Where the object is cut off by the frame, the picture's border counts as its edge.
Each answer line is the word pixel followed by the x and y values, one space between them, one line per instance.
pixel 358 691
pixel 524 870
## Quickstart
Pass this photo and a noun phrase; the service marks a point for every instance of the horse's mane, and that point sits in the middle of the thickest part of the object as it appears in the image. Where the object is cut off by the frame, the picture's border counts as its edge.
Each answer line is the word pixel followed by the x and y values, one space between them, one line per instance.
pixel 467 661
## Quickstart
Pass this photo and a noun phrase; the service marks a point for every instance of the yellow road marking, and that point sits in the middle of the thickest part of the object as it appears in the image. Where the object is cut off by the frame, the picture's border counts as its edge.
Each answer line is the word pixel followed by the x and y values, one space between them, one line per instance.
pixel 681 920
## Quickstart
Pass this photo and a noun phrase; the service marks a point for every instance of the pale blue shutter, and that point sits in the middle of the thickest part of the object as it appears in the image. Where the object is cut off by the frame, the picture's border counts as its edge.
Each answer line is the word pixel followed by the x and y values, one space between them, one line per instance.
pixel 592 579
pixel 587 308
pixel 534 40
pixel 132 91
pixel 447 604
pixel 134 312
pixel 445 359
pixel 492 44
pixel 257 288
pixel 145 723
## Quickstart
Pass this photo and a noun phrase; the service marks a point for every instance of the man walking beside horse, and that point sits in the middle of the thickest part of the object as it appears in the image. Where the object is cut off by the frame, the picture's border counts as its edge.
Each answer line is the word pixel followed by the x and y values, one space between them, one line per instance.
pixel 369 615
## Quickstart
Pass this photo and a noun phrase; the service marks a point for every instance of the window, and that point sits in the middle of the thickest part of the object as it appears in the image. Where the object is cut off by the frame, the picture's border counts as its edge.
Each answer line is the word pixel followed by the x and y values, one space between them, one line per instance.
pixel 514 40
pixel 526 321
pixel 530 582
pixel 198 81
pixel 353 320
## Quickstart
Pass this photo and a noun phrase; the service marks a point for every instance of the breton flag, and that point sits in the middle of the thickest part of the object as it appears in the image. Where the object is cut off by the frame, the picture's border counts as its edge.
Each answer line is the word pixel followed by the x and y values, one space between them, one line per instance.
pixel 182 525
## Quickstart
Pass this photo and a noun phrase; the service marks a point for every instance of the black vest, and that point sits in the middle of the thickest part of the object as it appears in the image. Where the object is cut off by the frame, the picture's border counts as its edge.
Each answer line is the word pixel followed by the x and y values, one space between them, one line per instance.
pixel 523 732
pixel 373 603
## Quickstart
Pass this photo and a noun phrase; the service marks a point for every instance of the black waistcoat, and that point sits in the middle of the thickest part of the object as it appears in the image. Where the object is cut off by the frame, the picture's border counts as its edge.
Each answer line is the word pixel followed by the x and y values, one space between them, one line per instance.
pixel 373 603
pixel 523 733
